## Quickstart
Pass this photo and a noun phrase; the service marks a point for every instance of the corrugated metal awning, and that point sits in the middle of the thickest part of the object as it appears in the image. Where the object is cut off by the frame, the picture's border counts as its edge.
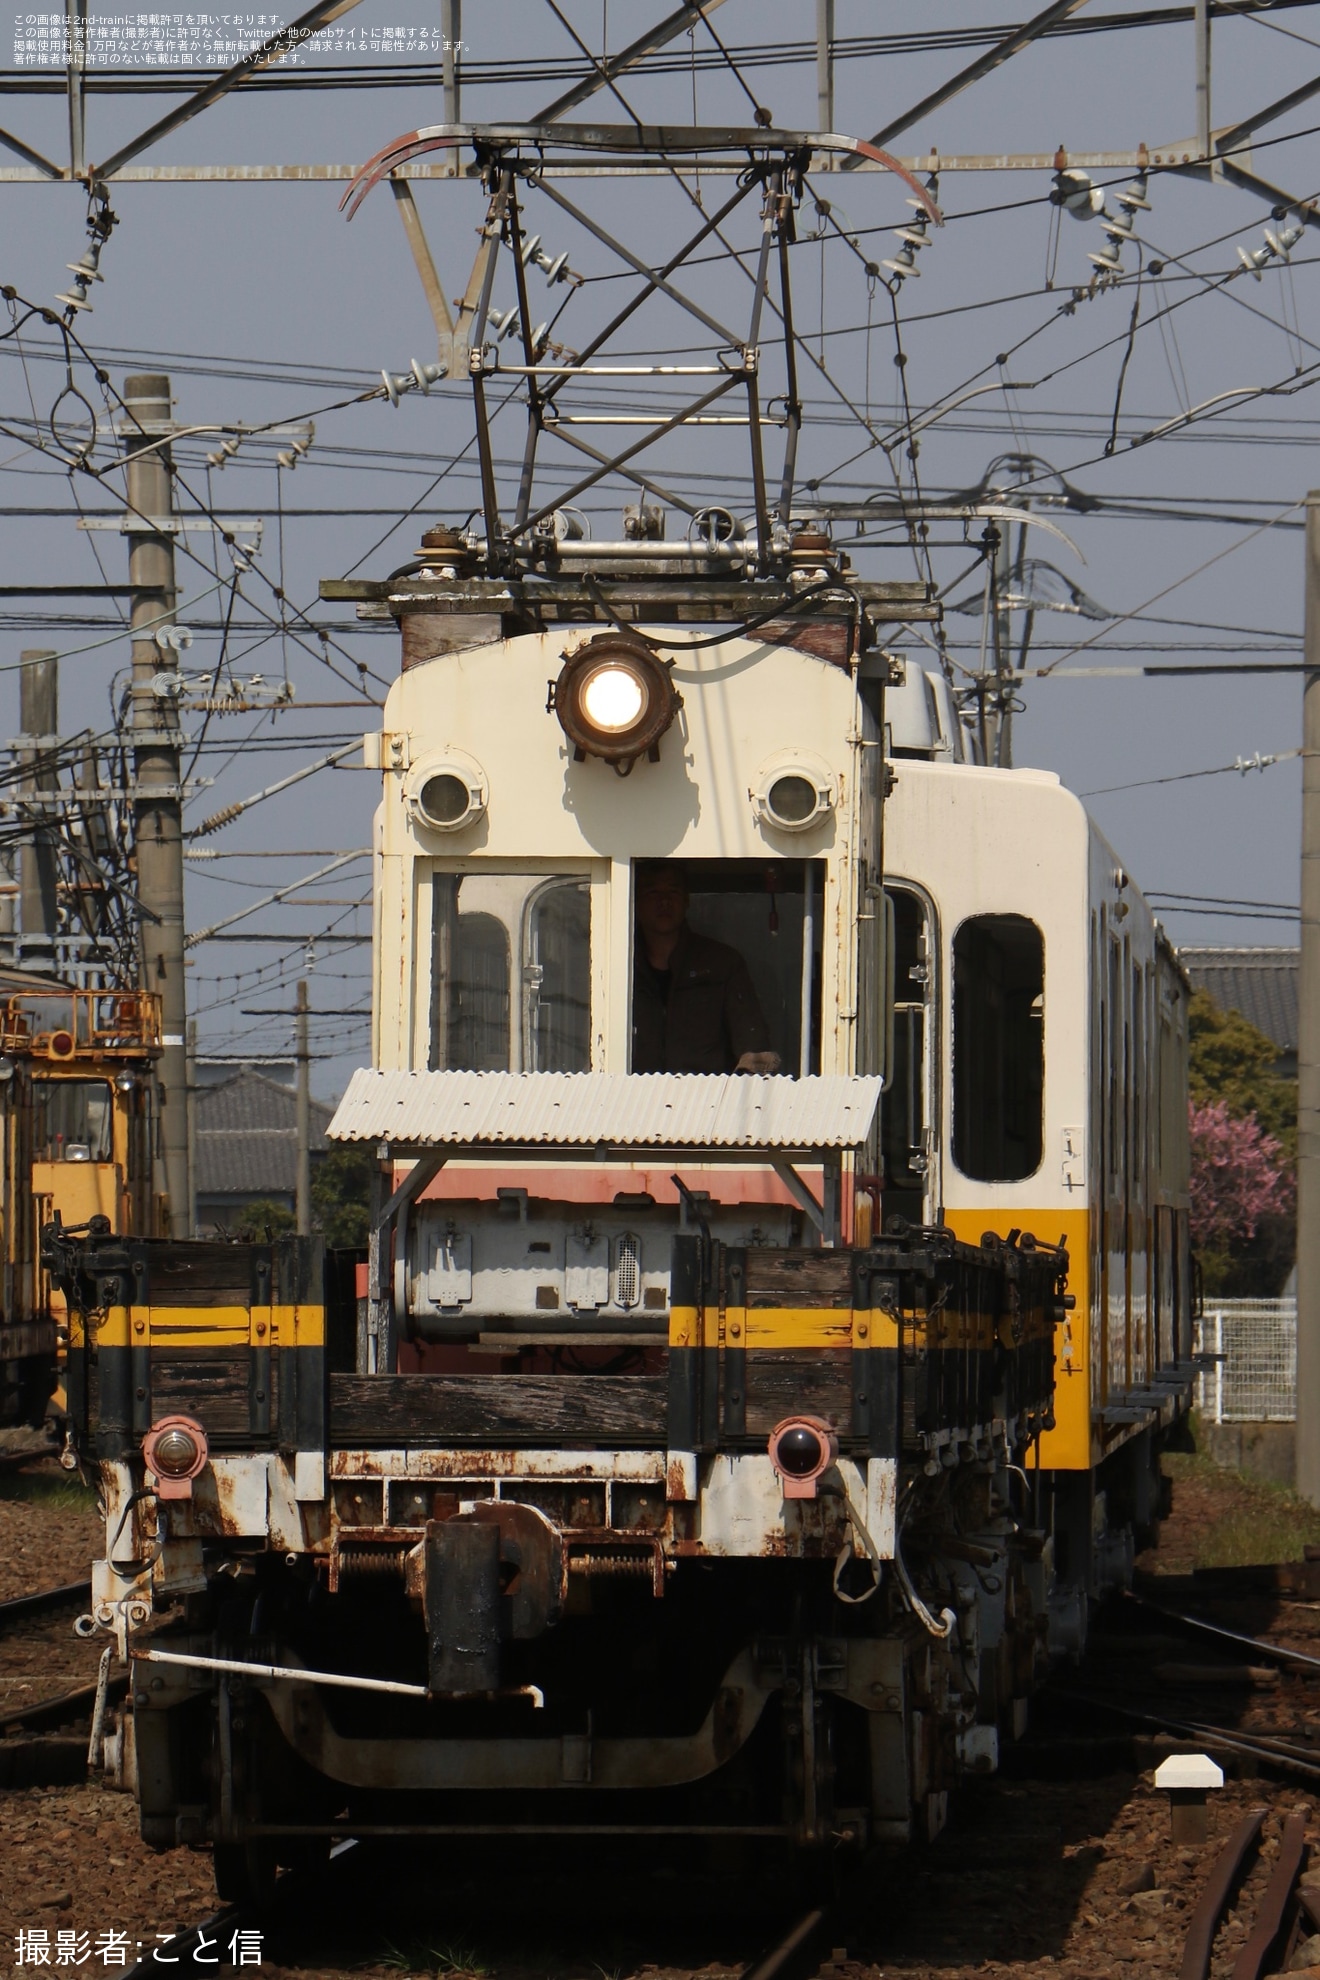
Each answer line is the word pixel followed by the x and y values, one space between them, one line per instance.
pixel 617 1110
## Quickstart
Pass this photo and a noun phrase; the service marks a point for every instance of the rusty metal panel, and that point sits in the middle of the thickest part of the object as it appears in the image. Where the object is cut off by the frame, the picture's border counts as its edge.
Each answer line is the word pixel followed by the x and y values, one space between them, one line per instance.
pixel 623 1110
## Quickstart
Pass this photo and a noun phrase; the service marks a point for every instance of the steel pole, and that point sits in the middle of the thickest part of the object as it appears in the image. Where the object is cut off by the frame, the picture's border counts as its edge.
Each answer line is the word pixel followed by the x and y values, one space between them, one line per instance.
pixel 303 1192
pixel 1308 1043
pixel 157 805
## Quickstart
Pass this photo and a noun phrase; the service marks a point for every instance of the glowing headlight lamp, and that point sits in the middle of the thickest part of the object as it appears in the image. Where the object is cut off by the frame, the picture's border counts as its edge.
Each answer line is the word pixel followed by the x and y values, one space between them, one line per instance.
pixel 614 699
pixel 175 1452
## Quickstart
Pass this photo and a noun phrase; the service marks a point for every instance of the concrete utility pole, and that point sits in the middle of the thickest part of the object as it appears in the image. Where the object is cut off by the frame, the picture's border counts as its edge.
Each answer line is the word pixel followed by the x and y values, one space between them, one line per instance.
pixel 1201 18
pixel 38 867
pixel 451 37
pixel 303 1196
pixel 1308 1043
pixel 157 804
pixel 192 1128
pixel 825 68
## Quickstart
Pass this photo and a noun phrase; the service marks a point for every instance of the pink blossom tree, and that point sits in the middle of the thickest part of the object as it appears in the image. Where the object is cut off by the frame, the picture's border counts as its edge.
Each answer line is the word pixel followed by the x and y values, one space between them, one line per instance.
pixel 1240 1178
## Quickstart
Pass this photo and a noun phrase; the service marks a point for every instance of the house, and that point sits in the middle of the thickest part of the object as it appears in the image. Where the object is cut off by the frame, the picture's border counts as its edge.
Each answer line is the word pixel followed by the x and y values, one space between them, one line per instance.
pixel 1261 984
pixel 245 1140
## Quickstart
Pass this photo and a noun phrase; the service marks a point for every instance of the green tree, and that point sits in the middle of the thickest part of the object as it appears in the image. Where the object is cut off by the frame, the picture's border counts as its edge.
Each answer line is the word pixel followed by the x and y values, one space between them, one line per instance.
pixel 1231 1061
pixel 341 1195
pixel 261 1220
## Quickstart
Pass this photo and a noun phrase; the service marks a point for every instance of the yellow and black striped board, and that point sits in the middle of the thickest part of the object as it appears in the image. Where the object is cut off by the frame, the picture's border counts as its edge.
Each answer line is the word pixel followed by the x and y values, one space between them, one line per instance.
pixel 887 1344
pixel 234 1335
pixel 913 1335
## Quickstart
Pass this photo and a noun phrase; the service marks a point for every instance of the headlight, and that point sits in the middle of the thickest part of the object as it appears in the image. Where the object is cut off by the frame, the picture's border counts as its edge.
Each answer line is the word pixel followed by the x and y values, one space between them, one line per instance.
pixel 797 1452
pixel 802 1449
pixel 175 1450
pixel 614 699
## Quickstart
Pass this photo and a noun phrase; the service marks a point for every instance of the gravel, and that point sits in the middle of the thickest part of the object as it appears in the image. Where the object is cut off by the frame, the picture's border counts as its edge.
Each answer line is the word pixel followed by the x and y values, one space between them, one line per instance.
pixel 1037 1879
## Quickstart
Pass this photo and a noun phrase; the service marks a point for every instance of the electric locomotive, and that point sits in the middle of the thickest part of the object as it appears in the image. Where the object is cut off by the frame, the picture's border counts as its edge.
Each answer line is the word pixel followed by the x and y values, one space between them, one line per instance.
pixel 776 1290
pixel 711 1452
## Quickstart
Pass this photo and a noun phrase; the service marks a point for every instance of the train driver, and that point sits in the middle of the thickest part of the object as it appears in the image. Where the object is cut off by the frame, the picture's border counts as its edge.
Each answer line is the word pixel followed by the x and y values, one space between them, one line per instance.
pixel 695 1009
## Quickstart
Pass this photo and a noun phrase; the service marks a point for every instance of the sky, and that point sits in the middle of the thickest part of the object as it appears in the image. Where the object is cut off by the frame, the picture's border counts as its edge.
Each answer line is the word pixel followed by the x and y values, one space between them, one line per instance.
pixel 263 303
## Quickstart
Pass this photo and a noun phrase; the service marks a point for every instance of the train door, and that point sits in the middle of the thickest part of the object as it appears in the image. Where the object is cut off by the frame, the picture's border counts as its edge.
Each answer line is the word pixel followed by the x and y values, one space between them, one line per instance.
pixel 1138 1224
pixel 1098 1171
pixel 909 1109
pixel 1120 1369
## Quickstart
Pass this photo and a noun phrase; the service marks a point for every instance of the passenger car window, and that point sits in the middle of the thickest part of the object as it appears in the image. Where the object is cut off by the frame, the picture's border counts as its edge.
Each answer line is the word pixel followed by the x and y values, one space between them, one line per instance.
pixel 998 1047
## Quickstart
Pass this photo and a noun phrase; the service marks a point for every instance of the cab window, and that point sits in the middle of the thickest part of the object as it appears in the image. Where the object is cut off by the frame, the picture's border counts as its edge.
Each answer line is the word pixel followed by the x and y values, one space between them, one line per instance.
pixel 72 1120
pixel 740 970
pixel 511 973
pixel 998 1047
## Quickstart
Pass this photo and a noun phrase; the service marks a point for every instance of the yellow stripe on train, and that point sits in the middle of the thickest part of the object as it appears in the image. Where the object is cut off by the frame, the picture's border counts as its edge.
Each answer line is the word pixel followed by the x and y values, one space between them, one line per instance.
pixel 209 1327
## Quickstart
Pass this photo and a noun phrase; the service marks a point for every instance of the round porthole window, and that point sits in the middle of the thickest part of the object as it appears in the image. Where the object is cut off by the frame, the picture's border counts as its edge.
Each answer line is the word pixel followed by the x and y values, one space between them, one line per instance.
pixel 792 800
pixel 445 799
pixel 446 796
pixel 793 796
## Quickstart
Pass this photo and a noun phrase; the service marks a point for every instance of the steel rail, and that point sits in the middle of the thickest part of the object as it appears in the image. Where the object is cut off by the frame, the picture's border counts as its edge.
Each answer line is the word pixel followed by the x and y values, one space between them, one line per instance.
pixel 185 1945
pixel 1287 1758
pixel 795 1946
pixel 1276 1652
pixel 59 1710
pixel 1265 1933
pixel 44 1599
pixel 1220 1885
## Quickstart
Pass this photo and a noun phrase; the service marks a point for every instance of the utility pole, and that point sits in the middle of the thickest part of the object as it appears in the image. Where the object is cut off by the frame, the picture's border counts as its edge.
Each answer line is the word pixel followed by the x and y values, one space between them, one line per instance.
pixel 157 802
pixel 451 38
pixel 38 867
pixel 191 1034
pixel 1308 1043
pixel 1201 17
pixel 303 1195
pixel 825 69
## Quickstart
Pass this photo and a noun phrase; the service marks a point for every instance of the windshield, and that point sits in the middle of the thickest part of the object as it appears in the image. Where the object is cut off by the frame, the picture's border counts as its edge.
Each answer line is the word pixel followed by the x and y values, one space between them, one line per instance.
pixel 511 973
pixel 72 1120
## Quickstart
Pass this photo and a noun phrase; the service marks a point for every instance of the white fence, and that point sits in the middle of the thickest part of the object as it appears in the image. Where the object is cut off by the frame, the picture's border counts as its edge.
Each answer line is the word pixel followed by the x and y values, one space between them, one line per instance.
pixel 1253 1378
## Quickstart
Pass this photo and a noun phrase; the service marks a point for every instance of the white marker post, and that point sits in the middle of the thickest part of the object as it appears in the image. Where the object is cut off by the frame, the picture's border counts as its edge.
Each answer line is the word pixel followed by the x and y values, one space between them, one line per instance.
pixel 1187 1777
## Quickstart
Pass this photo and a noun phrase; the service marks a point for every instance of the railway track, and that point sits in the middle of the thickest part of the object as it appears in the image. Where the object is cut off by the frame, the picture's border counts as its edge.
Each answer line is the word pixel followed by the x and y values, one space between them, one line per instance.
pixel 795 1956
pixel 15 1460
pixel 1279 1914
pixel 43 1601
pixel 1245 1697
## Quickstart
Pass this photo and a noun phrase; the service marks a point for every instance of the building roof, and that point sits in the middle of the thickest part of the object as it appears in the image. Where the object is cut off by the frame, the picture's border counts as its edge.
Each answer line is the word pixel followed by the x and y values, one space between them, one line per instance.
pixel 1261 984
pixel 246 1137
pixel 623 1110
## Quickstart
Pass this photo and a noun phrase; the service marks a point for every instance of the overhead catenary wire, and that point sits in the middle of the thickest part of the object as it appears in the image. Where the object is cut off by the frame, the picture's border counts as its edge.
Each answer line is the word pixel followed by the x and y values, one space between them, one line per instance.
pixel 278 614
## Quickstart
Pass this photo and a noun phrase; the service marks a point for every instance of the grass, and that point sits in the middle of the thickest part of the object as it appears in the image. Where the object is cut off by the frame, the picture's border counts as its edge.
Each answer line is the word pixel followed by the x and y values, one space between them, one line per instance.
pixel 441 1961
pixel 1231 1520
pixel 62 1491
